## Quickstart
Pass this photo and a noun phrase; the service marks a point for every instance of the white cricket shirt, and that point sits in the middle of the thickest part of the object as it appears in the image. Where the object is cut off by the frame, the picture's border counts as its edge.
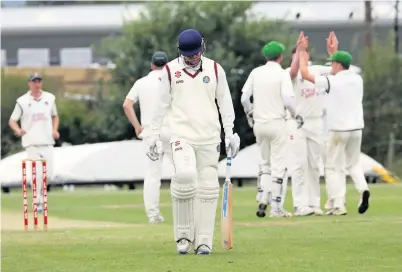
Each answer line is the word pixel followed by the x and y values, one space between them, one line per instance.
pixel 268 84
pixel 146 92
pixel 191 94
pixel 309 102
pixel 345 100
pixel 36 118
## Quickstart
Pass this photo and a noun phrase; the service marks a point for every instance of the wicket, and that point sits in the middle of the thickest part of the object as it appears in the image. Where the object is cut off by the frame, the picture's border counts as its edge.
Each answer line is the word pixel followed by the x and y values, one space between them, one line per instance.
pixel 34 193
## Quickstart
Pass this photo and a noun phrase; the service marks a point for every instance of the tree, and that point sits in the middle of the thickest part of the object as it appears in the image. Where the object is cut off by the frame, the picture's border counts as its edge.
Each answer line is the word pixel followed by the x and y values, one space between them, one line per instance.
pixel 234 38
pixel 382 73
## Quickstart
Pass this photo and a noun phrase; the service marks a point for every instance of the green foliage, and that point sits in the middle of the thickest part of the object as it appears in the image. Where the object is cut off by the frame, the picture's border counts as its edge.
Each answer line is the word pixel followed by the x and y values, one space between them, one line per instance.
pixel 234 38
pixel 382 73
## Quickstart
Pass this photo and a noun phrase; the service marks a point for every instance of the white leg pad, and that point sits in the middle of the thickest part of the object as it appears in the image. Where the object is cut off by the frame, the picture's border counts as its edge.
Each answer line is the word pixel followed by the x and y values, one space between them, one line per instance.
pixel 207 202
pixel 183 198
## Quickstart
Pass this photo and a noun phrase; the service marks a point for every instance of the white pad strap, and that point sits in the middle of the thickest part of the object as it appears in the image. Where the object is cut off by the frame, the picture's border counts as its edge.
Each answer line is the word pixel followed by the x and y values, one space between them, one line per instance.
pixel 183 196
pixel 207 202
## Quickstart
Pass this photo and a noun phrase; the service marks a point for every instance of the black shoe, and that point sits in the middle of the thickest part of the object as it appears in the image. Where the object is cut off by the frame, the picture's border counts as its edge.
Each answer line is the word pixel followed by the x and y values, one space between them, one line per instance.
pixel 261 211
pixel 364 205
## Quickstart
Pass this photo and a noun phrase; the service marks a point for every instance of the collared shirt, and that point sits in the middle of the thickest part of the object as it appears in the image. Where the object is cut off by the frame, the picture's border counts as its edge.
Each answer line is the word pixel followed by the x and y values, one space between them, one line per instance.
pixel 345 100
pixel 36 118
pixel 269 85
pixel 146 92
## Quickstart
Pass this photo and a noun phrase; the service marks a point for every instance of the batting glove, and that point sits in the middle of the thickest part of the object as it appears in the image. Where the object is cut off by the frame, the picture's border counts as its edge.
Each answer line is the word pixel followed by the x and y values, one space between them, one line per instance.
pixel 232 144
pixel 250 119
pixel 299 121
pixel 155 148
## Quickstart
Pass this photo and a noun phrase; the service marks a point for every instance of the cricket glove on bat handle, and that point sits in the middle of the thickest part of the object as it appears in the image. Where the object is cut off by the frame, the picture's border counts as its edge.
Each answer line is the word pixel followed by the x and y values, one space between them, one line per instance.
pixel 155 147
pixel 299 121
pixel 232 144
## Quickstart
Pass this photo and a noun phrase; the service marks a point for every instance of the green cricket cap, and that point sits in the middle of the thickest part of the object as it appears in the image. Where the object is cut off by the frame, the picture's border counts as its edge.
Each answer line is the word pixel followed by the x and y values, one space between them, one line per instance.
pixel 159 58
pixel 342 57
pixel 273 50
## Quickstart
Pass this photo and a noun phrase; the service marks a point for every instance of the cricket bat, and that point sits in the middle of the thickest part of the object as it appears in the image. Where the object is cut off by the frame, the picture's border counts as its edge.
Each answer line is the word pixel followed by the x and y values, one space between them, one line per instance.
pixel 226 213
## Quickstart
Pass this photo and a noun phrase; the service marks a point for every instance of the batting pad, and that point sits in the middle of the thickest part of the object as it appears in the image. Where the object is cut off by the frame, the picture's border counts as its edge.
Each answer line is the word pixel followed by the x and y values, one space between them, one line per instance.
pixel 206 204
pixel 183 196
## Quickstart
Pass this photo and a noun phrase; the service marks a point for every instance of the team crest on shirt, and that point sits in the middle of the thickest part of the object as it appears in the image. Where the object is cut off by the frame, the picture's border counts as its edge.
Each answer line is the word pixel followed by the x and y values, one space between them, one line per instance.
pixel 206 79
pixel 177 74
pixel 46 103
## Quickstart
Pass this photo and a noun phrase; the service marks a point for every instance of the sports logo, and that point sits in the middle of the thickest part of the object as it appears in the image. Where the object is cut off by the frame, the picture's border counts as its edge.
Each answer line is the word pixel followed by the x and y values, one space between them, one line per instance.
pixel 291 137
pixel 176 143
pixel 206 79
pixel 177 74
pixel 46 103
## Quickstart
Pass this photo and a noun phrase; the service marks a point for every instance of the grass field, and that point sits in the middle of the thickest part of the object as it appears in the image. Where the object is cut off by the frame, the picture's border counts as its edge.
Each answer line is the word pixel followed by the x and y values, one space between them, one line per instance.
pixel 97 230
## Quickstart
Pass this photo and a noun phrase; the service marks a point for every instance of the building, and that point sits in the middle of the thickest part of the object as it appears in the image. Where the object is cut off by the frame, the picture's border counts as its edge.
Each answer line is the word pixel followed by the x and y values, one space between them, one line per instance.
pixel 55 27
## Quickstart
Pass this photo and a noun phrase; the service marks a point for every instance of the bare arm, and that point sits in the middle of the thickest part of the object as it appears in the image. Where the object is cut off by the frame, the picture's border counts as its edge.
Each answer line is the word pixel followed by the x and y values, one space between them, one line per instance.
pixel 225 103
pixel 55 122
pixel 128 107
pixel 15 117
pixel 294 67
pixel 304 67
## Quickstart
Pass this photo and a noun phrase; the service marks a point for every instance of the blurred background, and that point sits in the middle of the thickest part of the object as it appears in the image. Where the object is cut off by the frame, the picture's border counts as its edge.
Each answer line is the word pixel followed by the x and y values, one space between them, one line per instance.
pixel 91 52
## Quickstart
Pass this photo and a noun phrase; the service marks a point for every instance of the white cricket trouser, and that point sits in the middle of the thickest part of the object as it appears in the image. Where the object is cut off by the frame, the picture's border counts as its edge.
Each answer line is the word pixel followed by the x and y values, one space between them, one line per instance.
pixel 152 181
pixel 40 152
pixel 272 140
pixel 307 149
pixel 343 153
pixel 195 191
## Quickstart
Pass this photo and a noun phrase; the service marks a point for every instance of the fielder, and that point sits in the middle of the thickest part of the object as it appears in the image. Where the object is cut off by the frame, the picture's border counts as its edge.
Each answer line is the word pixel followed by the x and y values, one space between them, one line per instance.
pixel 272 95
pixel 36 110
pixel 306 143
pixel 144 91
pixel 189 86
pixel 345 124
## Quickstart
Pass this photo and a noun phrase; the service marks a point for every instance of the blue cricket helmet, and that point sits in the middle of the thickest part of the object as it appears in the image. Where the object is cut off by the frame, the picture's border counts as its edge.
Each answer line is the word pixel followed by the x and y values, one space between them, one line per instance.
pixel 190 42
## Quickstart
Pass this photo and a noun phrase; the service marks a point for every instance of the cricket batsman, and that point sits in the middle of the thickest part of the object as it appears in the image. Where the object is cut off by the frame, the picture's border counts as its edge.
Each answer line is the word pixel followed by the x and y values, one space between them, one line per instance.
pixel 144 91
pixel 306 143
pixel 272 91
pixel 345 124
pixel 36 110
pixel 190 85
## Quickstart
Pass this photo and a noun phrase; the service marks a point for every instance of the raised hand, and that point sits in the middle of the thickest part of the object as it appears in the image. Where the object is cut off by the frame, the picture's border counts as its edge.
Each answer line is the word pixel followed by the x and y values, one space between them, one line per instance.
pixel 332 43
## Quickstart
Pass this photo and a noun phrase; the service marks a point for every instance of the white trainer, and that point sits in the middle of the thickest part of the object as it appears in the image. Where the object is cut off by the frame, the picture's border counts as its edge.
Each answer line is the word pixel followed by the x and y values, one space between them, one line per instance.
pixel 183 246
pixel 337 211
pixel 279 213
pixel 156 219
pixel 203 250
pixel 317 211
pixel 305 211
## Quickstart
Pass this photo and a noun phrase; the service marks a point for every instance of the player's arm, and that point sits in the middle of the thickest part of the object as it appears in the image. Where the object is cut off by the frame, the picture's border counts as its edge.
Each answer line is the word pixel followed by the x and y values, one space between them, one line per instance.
pixel 55 119
pixel 303 65
pixel 15 117
pixel 294 66
pixel 225 104
pixel 287 94
pixel 247 92
pixel 128 107
pixel 163 103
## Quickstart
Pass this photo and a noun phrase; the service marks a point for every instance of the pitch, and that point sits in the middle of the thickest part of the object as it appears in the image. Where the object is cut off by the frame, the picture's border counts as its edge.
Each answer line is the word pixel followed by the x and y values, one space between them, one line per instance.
pixel 96 230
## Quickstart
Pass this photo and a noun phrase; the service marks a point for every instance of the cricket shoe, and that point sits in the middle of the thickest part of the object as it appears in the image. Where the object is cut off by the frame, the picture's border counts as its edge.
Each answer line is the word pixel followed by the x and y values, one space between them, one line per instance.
pixel 305 211
pixel 156 219
pixel 279 213
pixel 183 246
pixel 337 211
pixel 364 202
pixel 203 250
pixel 259 195
pixel 262 210
pixel 317 211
